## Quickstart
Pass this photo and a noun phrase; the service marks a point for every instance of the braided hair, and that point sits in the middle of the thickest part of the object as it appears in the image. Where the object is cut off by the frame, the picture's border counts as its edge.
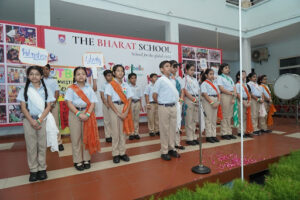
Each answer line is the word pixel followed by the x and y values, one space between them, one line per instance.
pixel 40 70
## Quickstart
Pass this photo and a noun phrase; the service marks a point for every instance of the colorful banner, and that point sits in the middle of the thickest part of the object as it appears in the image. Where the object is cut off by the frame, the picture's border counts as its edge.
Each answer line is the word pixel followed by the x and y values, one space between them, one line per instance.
pixel 12 71
pixel 139 56
pixel 201 57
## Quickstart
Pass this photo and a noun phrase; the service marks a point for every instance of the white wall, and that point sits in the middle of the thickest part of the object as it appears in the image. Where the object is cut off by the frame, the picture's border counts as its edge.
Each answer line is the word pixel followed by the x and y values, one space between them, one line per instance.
pixel 284 49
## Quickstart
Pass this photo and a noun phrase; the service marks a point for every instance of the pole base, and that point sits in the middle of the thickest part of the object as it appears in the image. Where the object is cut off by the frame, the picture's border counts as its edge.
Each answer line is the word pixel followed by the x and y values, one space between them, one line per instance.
pixel 201 169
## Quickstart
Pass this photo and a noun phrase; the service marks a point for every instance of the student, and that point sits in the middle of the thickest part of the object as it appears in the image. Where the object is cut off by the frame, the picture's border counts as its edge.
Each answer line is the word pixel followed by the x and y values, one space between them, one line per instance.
pixel 262 82
pixel 52 87
pixel 108 75
pixel 179 87
pixel 81 100
pixel 257 101
pixel 211 104
pixel 119 97
pixel 228 96
pixel 35 105
pixel 166 94
pixel 246 99
pixel 191 90
pixel 136 105
pixel 152 108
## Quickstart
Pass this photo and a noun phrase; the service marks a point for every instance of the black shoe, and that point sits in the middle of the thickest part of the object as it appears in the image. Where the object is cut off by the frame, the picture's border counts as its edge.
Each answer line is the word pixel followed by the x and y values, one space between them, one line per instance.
pixel 256 133
pixel 116 159
pixel 157 133
pixel 79 167
pixel 225 137
pixel 210 140
pixel 124 158
pixel 232 137
pixel 108 140
pixel 87 164
pixel 248 135
pixel 152 134
pixel 137 137
pixel 165 157
pixel 196 141
pixel 131 137
pixel 180 147
pixel 190 143
pixel 180 132
pixel 239 134
pixel 268 131
pixel 33 177
pixel 174 154
pixel 41 175
pixel 215 139
pixel 61 147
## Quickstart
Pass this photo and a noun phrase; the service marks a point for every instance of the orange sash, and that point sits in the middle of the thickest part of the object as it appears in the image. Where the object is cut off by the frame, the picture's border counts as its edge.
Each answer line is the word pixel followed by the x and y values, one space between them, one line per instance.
pixel 90 128
pixel 272 109
pixel 128 127
pixel 219 115
pixel 249 126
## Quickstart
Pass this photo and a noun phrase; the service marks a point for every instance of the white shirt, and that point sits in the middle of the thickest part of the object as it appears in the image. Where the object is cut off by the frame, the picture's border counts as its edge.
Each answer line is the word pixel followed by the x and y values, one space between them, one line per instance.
pixel 244 94
pixel 149 91
pixel 191 85
pixel 227 84
pixel 51 85
pixel 255 89
pixel 136 92
pixel 109 90
pixel 208 89
pixel 102 89
pixel 265 92
pixel 165 94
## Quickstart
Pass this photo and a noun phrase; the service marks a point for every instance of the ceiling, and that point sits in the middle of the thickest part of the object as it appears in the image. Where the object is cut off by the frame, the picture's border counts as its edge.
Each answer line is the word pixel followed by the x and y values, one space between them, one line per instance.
pixel 73 16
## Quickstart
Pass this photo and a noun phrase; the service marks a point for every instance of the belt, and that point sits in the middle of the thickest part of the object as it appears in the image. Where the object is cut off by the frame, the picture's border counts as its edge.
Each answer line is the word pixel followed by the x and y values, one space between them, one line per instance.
pixel 195 95
pixel 258 96
pixel 213 95
pixel 80 108
pixel 245 99
pixel 35 117
pixel 152 102
pixel 135 100
pixel 167 104
pixel 118 102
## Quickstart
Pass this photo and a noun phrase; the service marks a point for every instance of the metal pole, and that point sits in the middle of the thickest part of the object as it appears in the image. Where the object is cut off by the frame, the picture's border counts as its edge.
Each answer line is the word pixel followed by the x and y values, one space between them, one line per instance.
pixel 200 169
pixel 241 82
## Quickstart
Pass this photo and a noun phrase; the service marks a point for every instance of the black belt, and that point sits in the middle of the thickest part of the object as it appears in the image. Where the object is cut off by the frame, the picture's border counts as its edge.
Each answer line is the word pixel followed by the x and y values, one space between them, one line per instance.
pixel 167 104
pixel 80 108
pixel 195 95
pixel 213 95
pixel 258 96
pixel 135 100
pixel 152 102
pixel 118 102
pixel 35 117
pixel 245 99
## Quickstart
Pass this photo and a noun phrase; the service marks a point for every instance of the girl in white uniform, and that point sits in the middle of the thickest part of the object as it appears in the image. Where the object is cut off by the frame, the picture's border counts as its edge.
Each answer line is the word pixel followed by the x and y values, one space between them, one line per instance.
pixel 211 96
pixel 256 101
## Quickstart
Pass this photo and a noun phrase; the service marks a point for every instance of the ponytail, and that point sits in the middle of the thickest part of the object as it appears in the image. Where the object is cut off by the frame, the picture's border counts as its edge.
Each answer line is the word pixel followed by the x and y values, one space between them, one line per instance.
pixel 46 92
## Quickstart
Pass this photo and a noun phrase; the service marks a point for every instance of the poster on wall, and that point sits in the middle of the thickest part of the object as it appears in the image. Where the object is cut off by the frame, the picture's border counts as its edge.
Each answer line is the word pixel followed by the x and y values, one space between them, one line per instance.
pixel 139 56
pixel 12 71
pixel 201 57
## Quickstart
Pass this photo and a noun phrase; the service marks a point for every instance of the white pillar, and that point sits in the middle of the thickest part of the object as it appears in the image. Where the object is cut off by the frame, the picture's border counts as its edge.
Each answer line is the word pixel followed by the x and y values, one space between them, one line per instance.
pixel 246 47
pixel 172 31
pixel 42 12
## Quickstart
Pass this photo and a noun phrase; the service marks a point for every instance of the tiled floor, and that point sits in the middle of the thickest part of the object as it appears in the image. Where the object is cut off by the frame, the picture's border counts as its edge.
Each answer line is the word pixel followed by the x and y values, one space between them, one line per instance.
pixel 145 174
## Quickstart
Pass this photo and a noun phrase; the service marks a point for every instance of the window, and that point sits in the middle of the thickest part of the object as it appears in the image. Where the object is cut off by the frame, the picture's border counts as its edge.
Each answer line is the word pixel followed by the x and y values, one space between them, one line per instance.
pixel 289 65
